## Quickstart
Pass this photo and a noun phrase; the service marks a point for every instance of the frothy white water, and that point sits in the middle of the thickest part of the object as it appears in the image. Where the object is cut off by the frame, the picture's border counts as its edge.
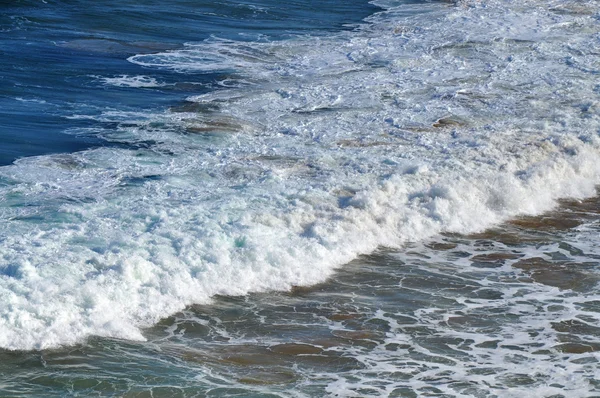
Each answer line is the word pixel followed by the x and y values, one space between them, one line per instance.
pixel 417 123
pixel 132 81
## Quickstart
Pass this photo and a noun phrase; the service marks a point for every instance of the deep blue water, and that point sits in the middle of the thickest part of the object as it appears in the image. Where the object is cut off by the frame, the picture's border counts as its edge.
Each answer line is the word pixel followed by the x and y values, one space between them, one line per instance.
pixel 53 53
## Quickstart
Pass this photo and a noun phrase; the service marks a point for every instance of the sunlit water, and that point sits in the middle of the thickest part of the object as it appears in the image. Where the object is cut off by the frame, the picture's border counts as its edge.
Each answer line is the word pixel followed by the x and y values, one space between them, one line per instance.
pixel 246 200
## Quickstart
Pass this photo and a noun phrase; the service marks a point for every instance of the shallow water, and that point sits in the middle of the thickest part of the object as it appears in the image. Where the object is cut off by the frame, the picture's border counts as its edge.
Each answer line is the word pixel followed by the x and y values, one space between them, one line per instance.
pixel 513 311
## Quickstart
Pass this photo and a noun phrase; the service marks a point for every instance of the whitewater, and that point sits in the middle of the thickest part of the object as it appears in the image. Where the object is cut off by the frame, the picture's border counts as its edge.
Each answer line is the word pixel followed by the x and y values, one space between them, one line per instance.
pixel 425 119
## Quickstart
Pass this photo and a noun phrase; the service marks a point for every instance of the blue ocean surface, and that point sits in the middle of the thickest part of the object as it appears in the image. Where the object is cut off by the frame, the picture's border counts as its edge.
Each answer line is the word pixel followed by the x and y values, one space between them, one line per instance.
pixel 333 198
pixel 54 54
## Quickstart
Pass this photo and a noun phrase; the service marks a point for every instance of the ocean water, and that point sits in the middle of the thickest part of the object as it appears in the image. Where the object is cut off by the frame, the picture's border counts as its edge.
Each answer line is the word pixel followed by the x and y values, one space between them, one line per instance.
pixel 219 198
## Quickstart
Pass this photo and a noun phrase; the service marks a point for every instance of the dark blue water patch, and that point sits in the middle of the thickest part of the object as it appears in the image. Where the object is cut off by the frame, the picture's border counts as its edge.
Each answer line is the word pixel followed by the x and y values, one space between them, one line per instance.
pixel 37 135
pixel 54 54
pixel 184 20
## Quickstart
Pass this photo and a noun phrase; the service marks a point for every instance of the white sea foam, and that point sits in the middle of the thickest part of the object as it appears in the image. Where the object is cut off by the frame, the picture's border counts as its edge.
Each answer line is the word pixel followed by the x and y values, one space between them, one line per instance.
pixel 140 81
pixel 35 100
pixel 412 125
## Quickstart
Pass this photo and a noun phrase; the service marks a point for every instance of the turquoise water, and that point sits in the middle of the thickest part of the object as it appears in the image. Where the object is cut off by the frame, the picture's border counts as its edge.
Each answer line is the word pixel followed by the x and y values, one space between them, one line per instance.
pixel 309 199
